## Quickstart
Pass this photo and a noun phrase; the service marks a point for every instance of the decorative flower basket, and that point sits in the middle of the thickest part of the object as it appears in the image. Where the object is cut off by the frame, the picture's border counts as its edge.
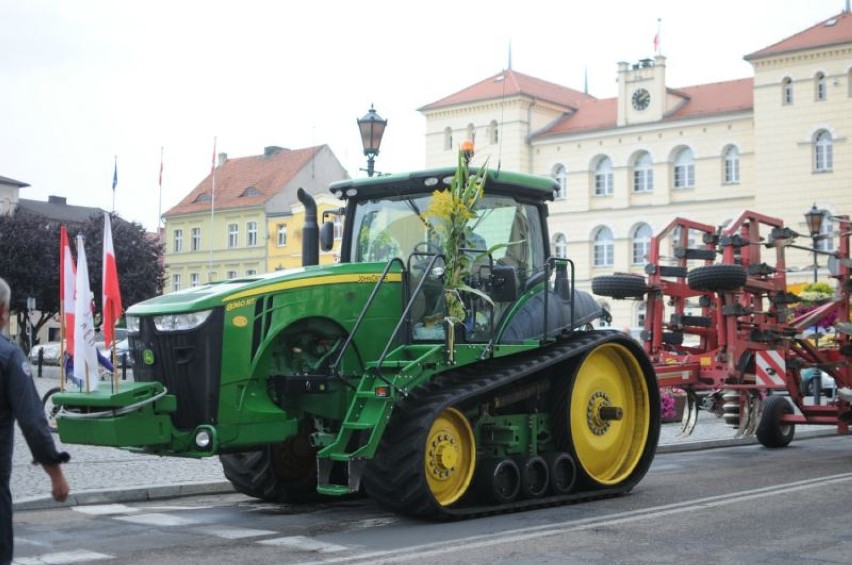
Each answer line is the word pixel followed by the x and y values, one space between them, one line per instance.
pixel 672 405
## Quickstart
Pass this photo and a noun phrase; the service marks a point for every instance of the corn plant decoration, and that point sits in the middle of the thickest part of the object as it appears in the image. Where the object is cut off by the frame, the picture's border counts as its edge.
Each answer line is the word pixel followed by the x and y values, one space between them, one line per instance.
pixel 449 213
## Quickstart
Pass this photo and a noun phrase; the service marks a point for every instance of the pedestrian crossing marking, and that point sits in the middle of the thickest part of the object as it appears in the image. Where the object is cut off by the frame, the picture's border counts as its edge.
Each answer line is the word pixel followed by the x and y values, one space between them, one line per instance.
pixel 157 519
pixel 226 532
pixel 63 557
pixel 305 544
pixel 105 509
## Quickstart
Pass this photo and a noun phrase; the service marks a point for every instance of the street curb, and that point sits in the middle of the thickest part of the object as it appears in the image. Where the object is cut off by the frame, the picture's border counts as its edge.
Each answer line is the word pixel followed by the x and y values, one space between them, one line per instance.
pixel 735 442
pixel 112 496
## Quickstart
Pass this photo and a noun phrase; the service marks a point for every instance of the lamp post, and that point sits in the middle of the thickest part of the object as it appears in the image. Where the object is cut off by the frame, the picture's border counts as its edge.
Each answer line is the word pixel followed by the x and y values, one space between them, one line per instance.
pixel 372 128
pixel 814 218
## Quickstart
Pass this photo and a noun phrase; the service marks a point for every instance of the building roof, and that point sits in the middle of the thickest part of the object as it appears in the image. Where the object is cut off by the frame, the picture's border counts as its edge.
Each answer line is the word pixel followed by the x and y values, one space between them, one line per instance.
pixel 12 182
pixel 246 181
pixel 56 208
pixel 512 83
pixel 835 30
pixel 698 101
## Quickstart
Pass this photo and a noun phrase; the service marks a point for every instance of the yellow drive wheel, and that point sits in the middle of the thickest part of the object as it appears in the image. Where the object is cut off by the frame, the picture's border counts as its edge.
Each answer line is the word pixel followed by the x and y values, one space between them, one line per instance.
pixel 610 417
pixel 450 456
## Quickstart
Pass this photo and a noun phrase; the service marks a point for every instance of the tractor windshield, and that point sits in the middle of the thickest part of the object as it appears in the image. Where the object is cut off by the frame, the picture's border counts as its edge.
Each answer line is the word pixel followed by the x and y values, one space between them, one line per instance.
pixel 395 227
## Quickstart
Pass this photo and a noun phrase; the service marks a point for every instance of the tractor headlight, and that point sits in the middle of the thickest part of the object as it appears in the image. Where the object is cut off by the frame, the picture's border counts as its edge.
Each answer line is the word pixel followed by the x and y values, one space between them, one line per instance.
pixel 132 323
pixel 203 439
pixel 181 322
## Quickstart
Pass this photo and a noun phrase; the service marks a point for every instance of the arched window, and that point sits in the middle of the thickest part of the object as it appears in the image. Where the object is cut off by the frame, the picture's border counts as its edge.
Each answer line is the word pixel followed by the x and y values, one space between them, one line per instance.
pixel 820 86
pixel 684 169
pixel 732 165
pixel 643 173
pixel 826 230
pixel 560 245
pixel 787 91
pixel 493 133
pixel 823 152
pixel 603 177
pixel 641 244
pixel 560 173
pixel 471 132
pixel 448 139
pixel 603 251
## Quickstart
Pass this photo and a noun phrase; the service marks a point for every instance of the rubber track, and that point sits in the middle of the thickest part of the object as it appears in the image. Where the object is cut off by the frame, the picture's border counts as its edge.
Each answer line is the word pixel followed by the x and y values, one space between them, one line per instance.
pixel 395 477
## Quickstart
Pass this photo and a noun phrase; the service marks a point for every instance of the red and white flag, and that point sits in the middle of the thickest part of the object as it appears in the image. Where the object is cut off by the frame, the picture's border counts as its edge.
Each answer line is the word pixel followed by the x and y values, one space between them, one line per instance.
pixel 85 353
pixel 67 273
pixel 112 308
pixel 657 39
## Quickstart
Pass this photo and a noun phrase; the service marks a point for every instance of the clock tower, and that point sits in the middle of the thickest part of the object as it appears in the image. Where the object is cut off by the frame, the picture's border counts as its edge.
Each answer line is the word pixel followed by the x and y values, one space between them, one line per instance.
pixel 642 93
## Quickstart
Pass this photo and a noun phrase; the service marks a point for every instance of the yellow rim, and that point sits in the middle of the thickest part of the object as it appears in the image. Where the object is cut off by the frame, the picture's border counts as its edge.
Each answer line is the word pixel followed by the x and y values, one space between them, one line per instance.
pixel 450 456
pixel 609 448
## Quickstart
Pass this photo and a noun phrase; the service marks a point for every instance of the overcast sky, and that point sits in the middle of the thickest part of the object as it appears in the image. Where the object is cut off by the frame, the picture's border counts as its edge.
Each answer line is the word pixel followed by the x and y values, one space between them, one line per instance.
pixel 84 81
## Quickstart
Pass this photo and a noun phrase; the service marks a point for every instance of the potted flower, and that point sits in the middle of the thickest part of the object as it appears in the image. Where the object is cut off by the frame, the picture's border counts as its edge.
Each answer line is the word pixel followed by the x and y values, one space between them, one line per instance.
pixel 672 404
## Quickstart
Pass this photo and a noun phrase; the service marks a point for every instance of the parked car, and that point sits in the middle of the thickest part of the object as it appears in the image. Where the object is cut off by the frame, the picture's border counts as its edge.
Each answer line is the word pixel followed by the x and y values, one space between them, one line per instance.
pixel 828 386
pixel 49 353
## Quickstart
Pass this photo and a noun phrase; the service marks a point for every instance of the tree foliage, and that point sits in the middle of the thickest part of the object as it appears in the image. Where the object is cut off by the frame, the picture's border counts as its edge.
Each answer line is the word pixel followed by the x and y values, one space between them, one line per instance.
pixel 29 261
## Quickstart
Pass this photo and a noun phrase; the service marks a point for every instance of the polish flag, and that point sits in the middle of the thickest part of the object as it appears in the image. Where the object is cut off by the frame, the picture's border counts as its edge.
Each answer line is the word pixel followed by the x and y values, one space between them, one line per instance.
pixel 85 353
pixel 112 308
pixel 67 272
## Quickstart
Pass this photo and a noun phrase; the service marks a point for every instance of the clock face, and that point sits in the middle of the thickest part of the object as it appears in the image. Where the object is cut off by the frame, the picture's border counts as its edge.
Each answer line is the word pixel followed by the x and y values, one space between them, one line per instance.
pixel 641 99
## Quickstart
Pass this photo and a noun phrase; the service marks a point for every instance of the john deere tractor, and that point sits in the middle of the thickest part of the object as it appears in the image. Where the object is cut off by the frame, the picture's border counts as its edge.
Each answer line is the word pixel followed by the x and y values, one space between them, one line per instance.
pixel 358 377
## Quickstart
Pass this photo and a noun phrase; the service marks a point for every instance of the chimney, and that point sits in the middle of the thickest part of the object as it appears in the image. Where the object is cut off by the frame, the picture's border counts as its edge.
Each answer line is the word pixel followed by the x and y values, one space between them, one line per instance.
pixel 222 158
pixel 271 150
pixel 60 200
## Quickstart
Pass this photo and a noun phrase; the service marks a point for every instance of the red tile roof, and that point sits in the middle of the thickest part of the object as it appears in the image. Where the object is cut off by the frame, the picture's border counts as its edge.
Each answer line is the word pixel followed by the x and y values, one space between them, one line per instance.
pixel 833 31
pixel 700 100
pixel 267 174
pixel 512 83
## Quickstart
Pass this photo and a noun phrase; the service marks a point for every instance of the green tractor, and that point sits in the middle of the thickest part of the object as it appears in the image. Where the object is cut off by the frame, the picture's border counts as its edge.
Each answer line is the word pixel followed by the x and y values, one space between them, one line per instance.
pixel 353 377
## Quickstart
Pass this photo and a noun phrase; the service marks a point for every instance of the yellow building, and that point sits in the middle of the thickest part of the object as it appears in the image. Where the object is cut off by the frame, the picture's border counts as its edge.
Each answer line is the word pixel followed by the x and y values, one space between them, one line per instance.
pixel 221 230
pixel 284 249
pixel 627 166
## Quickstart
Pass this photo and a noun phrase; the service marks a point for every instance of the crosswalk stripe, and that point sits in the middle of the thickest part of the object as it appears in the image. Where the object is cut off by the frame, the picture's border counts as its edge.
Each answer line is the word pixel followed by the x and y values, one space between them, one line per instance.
pixel 157 519
pixel 63 557
pixel 303 543
pixel 226 532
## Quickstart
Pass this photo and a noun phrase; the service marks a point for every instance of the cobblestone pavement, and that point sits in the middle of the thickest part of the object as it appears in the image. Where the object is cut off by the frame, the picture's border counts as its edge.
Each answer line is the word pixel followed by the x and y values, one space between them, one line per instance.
pixel 103 474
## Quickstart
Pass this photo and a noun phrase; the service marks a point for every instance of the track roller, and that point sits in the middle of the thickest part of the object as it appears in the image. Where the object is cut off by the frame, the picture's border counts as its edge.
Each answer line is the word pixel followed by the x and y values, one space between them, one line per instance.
pixel 535 475
pixel 563 472
pixel 498 480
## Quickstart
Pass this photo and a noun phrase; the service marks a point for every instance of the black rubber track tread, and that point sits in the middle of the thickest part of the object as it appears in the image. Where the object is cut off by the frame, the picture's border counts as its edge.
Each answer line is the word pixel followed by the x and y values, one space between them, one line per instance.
pixel 619 286
pixel 717 277
pixel 394 477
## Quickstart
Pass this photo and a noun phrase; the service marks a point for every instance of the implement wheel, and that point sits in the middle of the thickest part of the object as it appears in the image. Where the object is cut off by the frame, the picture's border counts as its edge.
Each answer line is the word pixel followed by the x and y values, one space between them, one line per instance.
pixel 608 415
pixel 449 456
pixel 620 286
pixel 717 277
pixel 771 432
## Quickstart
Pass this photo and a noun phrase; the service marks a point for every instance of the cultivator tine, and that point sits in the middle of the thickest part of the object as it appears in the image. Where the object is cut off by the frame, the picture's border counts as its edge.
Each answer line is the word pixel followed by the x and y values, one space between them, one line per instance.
pixel 755 411
pixel 745 418
pixel 690 416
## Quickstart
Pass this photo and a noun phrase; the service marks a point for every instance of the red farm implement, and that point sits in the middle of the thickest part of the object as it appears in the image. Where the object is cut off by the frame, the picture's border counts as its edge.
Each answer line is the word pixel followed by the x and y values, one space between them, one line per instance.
pixel 721 325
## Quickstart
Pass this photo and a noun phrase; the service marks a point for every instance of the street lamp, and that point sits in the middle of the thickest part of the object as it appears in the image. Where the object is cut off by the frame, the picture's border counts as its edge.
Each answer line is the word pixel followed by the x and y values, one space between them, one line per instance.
pixel 372 127
pixel 814 218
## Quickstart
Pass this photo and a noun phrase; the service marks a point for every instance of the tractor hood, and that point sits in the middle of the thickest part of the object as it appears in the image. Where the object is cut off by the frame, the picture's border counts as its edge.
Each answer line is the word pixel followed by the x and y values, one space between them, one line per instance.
pixel 228 292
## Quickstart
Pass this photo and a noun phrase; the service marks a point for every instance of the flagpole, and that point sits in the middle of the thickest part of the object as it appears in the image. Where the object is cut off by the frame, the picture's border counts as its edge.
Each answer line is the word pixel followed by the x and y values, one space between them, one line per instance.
pixel 212 209
pixel 114 181
pixel 657 42
pixel 160 209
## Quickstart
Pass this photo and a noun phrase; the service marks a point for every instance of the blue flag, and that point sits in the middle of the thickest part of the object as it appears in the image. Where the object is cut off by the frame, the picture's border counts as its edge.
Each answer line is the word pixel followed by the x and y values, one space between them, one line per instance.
pixel 115 175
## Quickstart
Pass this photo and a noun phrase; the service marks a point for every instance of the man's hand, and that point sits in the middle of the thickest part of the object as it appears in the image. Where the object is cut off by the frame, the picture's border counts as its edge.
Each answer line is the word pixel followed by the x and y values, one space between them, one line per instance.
pixel 59 486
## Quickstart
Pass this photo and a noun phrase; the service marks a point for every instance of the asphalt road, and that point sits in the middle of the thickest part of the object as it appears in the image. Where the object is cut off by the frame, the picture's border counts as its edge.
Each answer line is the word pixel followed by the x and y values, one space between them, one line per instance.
pixel 744 504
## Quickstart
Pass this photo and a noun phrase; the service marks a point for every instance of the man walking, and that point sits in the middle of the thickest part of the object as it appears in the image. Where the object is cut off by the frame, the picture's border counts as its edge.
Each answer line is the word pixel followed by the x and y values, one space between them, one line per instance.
pixel 19 401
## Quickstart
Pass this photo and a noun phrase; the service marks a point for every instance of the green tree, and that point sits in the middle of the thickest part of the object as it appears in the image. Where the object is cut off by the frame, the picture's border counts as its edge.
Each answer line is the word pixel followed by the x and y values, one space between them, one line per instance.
pixel 29 261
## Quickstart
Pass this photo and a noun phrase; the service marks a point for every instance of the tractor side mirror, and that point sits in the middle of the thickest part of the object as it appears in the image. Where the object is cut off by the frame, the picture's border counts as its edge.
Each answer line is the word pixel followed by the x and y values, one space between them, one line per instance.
pixel 504 283
pixel 327 236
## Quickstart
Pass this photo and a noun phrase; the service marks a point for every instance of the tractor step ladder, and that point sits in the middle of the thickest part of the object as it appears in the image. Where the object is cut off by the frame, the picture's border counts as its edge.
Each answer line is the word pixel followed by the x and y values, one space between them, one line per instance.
pixel 368 412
